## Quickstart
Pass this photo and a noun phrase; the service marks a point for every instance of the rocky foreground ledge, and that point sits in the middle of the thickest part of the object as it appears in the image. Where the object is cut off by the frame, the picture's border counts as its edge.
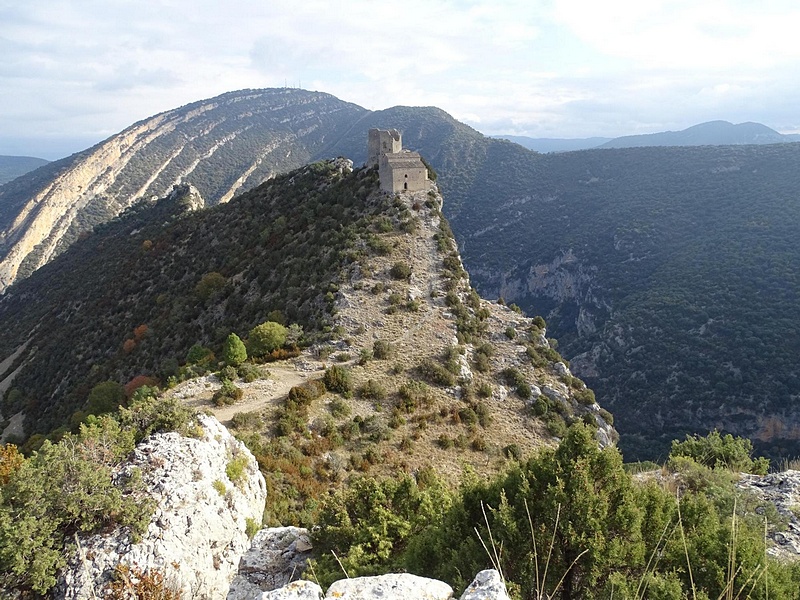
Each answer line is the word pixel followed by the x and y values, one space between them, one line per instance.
pixel 487 586
pixel 207 490
pixel 277 556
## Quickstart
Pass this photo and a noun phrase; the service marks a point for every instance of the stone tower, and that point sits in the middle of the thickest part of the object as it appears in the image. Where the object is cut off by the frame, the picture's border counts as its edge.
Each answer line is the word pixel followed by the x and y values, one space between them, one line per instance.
pixel 399 170
pixel 382 141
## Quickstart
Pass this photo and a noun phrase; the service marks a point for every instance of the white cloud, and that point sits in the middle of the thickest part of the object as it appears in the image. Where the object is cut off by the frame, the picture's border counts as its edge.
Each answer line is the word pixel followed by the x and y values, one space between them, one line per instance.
pixel 543 67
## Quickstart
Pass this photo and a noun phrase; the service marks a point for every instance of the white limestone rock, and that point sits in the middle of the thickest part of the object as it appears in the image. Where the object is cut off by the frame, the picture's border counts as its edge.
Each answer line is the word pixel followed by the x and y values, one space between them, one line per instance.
pixel 297 590
pixel 487 585
pixel 196 535
pixel 560 368
pixel 277 555
pixel 554 394
pixel 384 587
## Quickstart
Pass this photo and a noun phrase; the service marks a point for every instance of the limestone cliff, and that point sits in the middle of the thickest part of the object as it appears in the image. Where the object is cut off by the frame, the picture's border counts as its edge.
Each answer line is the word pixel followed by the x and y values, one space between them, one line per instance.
pixel 208 489
pixel 222 145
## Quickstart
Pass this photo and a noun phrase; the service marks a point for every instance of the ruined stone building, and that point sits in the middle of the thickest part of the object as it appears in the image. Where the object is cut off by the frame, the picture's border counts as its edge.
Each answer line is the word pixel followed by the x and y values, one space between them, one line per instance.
pixel 400 170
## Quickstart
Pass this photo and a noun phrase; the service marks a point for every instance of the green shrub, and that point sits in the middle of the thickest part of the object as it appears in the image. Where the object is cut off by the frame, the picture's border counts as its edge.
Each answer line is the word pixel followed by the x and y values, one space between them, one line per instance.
pixel 382 349
pixel 584 396
pixel 445 442
pixel 199 355
pixel 413 394
pixel 400 270
pixel 512 452
pixel 246 420
pixel 265 338
pixel 372 390
pixel 339 408
pixel 299 396
pixel 65 488
pixel 219 486
pixel 720 451
pixel 227 374
pixel 209 285
pixel 556 426
pixel 252 527
pixel 152 415
pixel 479 444
pixel 229 393
pixel 365 525
pixel 436 373
pixel 482 364
pixel 249 372
pixel 337 379
pixel 105 397
pixel 484 414
pixel 235 469
pixel 364 356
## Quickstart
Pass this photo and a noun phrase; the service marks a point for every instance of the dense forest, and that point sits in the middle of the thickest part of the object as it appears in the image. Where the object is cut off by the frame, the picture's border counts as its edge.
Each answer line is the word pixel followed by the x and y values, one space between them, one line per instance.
pixel 667 274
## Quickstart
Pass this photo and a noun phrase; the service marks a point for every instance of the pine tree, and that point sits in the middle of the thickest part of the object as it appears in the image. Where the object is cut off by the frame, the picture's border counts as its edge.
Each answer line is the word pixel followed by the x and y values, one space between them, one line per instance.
pixel 234 352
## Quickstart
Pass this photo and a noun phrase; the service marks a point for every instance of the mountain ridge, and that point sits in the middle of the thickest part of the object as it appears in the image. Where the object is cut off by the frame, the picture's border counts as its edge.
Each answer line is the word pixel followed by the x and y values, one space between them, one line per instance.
pixel 12 167
pixel 709 133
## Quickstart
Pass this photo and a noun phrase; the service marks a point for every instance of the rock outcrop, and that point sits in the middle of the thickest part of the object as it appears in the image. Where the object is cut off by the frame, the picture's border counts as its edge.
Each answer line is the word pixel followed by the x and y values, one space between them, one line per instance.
pixel 277 556
pixel 208 491
pixel 783 491
pixel 487 585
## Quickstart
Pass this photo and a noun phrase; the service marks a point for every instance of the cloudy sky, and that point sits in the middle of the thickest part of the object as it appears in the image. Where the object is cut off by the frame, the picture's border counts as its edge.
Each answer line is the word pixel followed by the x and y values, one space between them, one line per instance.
pixel 73 72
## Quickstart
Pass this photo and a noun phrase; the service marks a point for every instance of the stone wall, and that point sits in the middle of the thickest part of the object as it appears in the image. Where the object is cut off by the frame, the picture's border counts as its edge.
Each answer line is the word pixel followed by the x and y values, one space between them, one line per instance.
pixel 382 142
pixel 403 172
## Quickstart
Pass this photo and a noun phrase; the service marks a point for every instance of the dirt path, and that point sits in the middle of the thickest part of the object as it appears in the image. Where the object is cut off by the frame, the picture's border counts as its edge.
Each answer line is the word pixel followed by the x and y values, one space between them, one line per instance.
pixel 258 395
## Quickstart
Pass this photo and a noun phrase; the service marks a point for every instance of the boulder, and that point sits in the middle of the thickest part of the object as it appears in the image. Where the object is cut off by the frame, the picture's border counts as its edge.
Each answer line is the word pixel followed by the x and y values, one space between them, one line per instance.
pixel 197 533
pixel 487 585
pixel 276 557
pixel 297 590
pixel 384 587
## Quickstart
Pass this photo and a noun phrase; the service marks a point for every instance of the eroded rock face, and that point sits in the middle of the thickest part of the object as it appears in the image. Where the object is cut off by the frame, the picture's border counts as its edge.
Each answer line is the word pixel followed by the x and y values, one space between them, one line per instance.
pixel 277 556
pixel 196 536
pixel 782 490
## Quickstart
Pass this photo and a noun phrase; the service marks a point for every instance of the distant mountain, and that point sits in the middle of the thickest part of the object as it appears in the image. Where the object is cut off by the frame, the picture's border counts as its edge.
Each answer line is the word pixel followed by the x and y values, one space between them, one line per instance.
pixel 713 133
pixel 12 167
pixel 546 145
pixel 222 146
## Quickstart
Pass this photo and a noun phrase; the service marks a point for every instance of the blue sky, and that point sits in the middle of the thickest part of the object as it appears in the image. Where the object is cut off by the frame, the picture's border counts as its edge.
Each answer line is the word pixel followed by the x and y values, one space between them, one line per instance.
pixel 74 72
